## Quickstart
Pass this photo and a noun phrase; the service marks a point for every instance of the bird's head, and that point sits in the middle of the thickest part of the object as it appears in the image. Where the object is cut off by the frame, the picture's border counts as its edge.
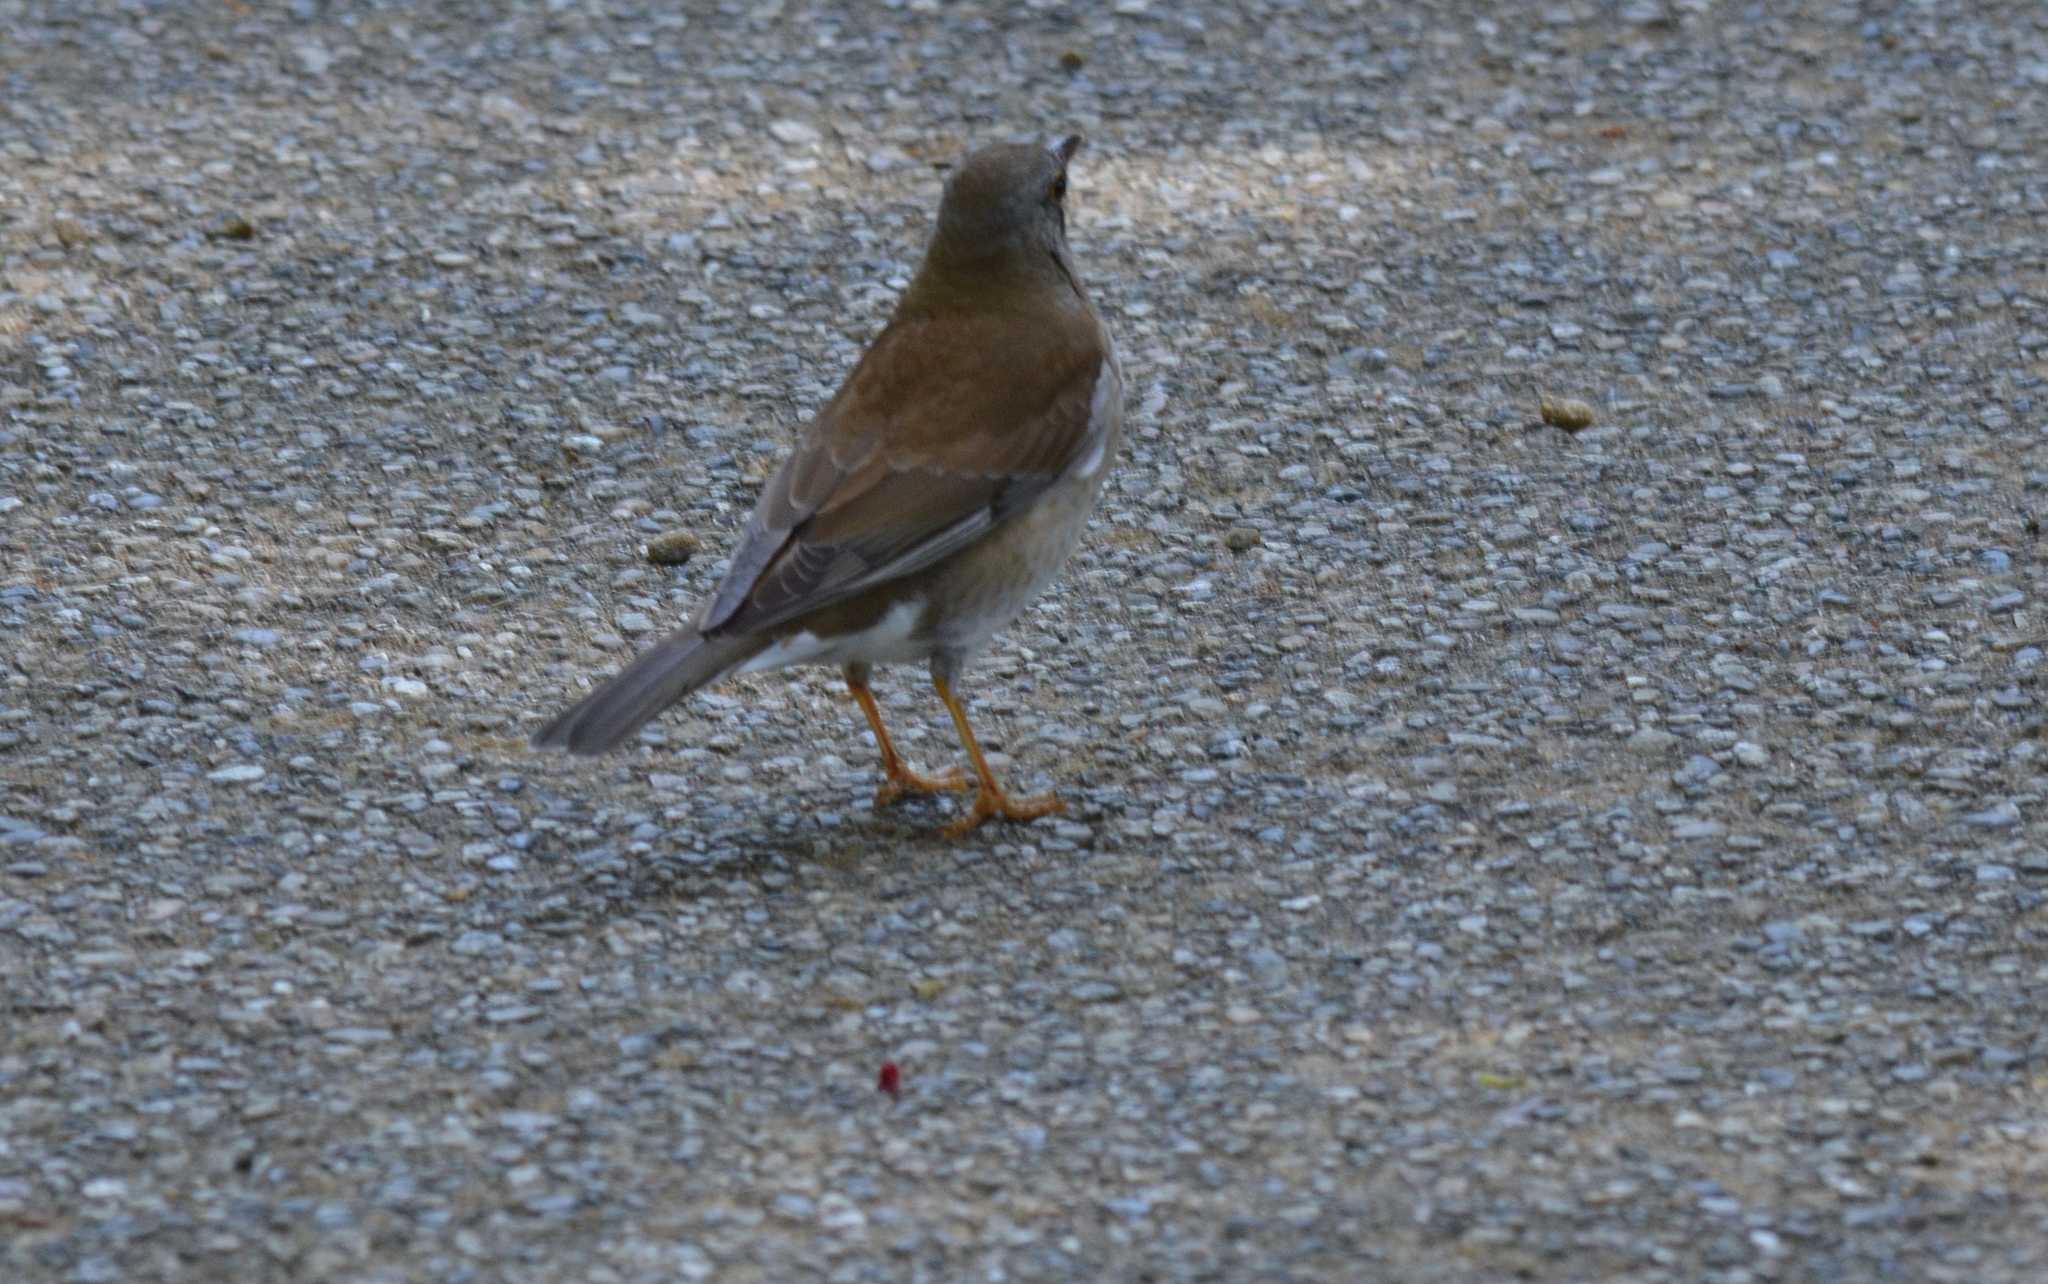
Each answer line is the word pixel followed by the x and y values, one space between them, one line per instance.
pixel 1005 207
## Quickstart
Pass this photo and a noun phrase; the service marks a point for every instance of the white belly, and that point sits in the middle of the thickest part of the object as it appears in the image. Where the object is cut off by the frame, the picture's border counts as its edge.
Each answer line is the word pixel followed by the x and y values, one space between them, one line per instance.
pixel 889 641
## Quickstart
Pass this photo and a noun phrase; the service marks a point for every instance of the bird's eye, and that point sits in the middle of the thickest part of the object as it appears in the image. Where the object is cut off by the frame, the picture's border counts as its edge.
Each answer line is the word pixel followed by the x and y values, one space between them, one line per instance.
pixel 1059 188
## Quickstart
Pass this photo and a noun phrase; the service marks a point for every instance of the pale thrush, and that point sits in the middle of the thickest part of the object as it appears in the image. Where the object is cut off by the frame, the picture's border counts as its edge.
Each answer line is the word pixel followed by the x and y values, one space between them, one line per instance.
pixel 933 497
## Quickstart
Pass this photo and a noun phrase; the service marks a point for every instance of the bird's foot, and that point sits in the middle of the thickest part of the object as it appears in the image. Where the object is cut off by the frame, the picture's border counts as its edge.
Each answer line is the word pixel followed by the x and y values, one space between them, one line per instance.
pixel 898 779
pixel 994 804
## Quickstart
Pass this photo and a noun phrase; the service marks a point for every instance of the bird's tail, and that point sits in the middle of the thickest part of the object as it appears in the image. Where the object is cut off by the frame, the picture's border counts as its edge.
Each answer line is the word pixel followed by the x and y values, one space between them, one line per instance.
pixel 656 679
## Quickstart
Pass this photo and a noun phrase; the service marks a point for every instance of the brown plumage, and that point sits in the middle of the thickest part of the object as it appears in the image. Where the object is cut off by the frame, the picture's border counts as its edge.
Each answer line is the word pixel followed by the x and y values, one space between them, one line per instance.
pixel 933 497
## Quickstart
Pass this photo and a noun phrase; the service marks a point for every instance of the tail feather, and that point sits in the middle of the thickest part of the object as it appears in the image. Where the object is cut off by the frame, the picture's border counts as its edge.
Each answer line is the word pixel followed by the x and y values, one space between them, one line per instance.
pixel 656 679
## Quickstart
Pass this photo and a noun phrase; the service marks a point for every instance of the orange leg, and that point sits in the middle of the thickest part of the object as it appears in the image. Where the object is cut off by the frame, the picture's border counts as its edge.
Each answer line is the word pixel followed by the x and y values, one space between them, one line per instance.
pixel 897 777
pixel 990 800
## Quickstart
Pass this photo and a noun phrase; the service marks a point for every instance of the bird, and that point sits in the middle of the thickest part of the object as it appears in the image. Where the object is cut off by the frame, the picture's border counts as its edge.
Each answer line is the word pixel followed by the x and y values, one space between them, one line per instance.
pixel 933 498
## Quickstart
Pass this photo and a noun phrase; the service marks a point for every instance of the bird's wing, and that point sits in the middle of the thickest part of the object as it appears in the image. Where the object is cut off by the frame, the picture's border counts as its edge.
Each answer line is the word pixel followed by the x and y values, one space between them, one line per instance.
pixel 943 429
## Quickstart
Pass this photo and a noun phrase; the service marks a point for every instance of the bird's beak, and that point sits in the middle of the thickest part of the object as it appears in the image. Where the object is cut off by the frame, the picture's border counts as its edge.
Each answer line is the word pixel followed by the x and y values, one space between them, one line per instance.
pixel 1066 147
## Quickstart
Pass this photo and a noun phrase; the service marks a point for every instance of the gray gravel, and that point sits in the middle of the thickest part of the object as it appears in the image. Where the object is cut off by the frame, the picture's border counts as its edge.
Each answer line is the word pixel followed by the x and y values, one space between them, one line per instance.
pixel 1494 851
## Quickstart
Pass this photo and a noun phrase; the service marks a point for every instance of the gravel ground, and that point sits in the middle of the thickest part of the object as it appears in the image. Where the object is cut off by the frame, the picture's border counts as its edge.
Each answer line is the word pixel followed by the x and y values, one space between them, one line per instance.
pixel 1494 851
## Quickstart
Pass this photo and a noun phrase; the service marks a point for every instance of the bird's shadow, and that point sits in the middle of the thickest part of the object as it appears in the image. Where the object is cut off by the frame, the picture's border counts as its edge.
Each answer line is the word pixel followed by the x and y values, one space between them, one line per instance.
pixel 766 856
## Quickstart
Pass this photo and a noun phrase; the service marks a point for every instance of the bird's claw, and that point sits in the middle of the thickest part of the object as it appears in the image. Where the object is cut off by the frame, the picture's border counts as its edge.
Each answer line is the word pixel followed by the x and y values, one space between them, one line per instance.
pixel 997 805
pixel 901 780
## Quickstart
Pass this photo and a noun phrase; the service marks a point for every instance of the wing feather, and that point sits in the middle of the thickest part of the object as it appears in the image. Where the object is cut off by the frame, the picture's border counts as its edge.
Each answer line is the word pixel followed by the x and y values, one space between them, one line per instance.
pixel 948 424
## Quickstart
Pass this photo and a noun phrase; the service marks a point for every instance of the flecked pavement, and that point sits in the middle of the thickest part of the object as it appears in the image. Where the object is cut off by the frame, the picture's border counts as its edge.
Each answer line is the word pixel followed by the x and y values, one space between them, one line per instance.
pixel 1494 852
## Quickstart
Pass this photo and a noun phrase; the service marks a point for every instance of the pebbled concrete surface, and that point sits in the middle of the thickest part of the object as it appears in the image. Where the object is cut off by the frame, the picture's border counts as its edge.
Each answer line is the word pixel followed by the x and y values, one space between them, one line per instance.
pixel 1495 852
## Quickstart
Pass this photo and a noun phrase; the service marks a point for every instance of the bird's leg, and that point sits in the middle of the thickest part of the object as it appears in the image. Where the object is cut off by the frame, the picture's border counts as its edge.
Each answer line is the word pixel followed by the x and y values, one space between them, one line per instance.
pixel 897 777
pixel 990 800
